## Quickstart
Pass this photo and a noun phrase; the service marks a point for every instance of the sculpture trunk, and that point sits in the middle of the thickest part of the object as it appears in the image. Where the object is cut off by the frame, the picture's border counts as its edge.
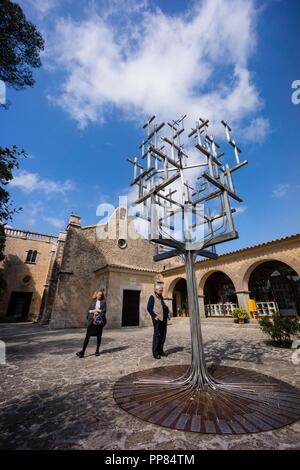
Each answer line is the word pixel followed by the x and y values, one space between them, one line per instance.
pixel 199 371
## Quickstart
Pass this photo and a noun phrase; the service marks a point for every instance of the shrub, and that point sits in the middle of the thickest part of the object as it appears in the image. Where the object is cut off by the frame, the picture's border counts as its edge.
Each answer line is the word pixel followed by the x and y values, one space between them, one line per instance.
pixel 240 314
pixel 280 329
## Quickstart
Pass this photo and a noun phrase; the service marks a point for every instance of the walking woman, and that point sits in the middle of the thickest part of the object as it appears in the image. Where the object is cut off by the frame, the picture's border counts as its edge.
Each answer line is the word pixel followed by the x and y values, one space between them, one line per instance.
pixel 96 320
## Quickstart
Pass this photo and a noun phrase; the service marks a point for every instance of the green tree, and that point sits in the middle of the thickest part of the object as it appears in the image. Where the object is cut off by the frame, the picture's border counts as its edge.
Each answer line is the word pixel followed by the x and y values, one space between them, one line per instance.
pixel 9 160
pixel 20 45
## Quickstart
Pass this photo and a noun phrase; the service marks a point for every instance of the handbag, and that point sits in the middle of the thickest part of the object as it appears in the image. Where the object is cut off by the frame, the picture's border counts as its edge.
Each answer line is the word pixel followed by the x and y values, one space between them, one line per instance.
pixel 99 320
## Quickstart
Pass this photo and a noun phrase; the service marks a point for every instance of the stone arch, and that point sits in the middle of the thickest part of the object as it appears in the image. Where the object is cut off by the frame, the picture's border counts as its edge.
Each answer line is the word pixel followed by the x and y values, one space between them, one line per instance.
pixel 275 285
pixel 177 296
pixel 219 293
pixel 208 274
pixel 253 266
pixel 169 290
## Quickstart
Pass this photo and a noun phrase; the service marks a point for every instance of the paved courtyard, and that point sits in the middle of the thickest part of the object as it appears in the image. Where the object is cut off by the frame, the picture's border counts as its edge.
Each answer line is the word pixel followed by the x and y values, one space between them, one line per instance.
pixel 50 399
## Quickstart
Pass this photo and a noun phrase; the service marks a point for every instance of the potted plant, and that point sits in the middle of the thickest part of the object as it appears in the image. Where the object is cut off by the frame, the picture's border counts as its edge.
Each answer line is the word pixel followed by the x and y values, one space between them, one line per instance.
pixel 240 315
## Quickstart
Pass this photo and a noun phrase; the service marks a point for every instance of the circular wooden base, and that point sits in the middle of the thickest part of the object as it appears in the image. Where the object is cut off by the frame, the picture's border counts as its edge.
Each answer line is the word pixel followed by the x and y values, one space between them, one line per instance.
pixel 243 402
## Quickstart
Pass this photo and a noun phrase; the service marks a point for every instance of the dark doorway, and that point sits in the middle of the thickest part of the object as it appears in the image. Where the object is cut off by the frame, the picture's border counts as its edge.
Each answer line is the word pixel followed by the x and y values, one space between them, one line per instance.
pixel 219 288
pixel 275 281
pixel 131 308
pixel 219 295
pixel 179 299
pixel 19 305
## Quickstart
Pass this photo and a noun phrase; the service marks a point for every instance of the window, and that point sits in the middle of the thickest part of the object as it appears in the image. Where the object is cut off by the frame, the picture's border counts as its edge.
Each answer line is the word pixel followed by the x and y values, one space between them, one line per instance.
pixel 31 256
pixel 122 243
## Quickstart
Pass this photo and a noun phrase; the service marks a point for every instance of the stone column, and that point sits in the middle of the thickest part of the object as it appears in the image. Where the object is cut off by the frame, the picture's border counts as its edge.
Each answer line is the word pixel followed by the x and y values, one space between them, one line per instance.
pixel 168 302
pixel 243 297
pixel 201 305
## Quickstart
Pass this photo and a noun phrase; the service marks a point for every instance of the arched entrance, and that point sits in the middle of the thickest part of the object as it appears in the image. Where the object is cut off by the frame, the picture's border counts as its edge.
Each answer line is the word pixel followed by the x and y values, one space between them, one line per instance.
pixel 179 298
pixel 275 286
pixel 219 295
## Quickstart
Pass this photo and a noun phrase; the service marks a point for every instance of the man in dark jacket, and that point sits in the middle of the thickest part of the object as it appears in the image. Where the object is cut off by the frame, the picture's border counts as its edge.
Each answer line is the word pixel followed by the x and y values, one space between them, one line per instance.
pixel 159 312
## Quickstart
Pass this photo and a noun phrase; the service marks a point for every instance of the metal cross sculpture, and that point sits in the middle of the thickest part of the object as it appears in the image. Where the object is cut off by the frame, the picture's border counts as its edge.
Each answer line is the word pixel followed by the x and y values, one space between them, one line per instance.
pixel 185 198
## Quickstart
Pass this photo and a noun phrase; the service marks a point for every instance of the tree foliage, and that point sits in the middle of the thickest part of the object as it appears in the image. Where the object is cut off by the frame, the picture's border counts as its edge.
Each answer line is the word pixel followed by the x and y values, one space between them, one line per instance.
pixel 20 46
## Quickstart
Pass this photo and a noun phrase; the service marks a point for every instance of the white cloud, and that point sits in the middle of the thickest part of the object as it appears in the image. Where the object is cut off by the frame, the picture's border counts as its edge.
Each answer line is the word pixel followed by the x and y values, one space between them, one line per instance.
pixel 29 182
pixel 256 131
pixel 55 222
pixel 32 213
pixel 149 62
pixel 281 190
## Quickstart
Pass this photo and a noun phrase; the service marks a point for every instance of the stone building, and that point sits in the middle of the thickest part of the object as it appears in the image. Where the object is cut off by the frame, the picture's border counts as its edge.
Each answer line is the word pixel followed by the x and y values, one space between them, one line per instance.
pixel 51 279
pixel 28 262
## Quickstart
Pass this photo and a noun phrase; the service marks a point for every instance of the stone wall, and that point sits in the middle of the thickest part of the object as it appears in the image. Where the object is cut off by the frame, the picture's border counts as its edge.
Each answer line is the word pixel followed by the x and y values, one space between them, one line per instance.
pixel 86 251
pixel 15 269
pixel 121 279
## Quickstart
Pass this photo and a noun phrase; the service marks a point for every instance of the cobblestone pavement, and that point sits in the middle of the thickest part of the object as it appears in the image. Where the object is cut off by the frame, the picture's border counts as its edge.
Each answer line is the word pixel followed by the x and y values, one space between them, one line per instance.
pixel 50 399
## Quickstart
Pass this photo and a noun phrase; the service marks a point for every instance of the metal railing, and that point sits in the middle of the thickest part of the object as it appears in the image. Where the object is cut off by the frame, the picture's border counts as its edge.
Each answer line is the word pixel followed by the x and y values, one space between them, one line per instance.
pixel 220 310
pixel 266 309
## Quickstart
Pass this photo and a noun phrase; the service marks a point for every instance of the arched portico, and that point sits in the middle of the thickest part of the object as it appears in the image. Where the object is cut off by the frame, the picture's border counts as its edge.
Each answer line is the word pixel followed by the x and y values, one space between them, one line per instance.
pixel 275 286
pixel 177 293
pixel 219 294
pixel 294 264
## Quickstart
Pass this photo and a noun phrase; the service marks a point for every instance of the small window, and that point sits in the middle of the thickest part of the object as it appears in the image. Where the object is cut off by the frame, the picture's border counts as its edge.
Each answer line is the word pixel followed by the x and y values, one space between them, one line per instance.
pixel 31 256
pixel 122 243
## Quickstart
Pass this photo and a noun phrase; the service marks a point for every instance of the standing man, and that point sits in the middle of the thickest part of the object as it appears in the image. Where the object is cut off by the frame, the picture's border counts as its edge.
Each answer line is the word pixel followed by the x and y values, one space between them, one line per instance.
pixel 159 312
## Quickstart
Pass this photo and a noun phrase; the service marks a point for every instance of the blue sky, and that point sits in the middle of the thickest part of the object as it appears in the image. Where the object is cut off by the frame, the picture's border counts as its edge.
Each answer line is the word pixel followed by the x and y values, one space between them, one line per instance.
pixel 107 64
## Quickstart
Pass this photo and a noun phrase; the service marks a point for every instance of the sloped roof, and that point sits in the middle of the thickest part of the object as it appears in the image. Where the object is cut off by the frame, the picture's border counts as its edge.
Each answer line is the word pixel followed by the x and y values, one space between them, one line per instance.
pixel 128 266
pixel 258 245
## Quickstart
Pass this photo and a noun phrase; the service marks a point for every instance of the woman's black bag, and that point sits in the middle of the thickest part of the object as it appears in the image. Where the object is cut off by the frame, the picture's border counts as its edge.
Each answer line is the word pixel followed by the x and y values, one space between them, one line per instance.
pixel 99 319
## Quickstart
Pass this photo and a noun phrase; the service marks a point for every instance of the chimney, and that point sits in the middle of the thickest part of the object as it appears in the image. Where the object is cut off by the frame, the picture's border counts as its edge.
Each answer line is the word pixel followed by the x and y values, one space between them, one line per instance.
pixel 74 220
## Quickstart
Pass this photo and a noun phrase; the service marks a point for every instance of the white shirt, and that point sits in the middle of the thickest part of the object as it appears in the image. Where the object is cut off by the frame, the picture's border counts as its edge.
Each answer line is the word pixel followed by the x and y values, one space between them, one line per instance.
pixel 97 306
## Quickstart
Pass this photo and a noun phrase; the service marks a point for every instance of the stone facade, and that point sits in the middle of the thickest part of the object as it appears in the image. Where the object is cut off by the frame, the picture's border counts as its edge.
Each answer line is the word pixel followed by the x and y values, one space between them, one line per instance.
pixel 81 260
pixel 95 259
pixel 27 277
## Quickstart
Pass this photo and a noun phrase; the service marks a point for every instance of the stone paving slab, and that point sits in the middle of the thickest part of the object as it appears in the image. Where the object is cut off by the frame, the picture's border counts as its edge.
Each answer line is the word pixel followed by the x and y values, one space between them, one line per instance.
pixel 50 399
